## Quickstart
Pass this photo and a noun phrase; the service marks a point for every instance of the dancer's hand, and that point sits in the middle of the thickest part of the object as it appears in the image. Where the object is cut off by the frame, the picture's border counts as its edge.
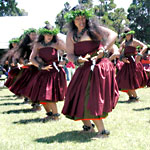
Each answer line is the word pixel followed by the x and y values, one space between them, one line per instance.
pixel 100 53
pixel 29 64
pixel 82 60
pixel 47 67
pixel 125 60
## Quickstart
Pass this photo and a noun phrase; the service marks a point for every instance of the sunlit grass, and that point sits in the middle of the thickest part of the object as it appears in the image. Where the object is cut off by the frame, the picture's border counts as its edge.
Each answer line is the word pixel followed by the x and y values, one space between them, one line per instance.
pixel 22 129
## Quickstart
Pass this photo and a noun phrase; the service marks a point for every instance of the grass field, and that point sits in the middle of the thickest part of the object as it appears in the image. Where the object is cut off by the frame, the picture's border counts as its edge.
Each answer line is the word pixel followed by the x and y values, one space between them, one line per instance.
pixel 22 129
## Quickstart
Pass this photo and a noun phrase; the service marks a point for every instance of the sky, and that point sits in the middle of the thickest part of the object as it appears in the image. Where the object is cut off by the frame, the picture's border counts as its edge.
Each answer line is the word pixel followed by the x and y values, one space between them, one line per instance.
pixel 48 9
pixel 38 12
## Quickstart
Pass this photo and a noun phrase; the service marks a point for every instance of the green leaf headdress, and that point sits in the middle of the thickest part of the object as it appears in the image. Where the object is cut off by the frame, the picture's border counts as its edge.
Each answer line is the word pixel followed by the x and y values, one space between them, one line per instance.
pixel 14 40
pixel 46 22
pixel 43 31
pixel 127 33
pixel 70 16
pixel 30 30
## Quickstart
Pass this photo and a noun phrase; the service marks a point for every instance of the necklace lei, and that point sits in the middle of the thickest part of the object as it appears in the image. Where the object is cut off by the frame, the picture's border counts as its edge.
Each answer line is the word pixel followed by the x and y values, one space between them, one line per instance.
pixel 77 37
pixel 127 43
pixel 46 44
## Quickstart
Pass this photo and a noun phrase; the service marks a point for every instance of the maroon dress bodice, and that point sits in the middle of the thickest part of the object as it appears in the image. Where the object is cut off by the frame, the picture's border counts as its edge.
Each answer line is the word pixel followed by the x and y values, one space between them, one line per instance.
pixel 48 54
pixel 86 47
pixel 130 50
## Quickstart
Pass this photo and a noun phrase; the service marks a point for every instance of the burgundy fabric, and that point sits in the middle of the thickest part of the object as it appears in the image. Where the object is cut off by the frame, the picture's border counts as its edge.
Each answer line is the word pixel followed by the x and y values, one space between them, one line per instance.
pixel 103 86
pixel 20 84
pixel 132 75
pixel 146 65
pixel 47 85
pixel 148 82
pixel 12 75
pixel 119 64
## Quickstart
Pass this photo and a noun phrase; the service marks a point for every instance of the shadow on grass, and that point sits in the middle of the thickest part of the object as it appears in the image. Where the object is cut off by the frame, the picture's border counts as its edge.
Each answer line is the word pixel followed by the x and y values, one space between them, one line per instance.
pixel 36 120
pixel 8 104
pixel 8 96
pixel 122 102
pixel 142 109
pixel 6 99
pixel 67 136
pixel 19 111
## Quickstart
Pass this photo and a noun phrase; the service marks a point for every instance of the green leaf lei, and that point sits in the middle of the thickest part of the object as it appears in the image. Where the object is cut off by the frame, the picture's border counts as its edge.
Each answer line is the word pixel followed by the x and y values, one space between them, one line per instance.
pixel 30 30
pixel 70 16
pixel 43 31
pixel 14 40
pixel 130 32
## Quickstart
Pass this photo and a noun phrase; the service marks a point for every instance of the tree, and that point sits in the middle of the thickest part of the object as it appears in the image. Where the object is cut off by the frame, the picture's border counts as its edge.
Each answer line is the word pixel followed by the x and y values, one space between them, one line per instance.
pixel 87 3
pixel 105 6
pixel 139 16
pixel 9 8
pixel 119 20
pixel 112 17
pixel 60 21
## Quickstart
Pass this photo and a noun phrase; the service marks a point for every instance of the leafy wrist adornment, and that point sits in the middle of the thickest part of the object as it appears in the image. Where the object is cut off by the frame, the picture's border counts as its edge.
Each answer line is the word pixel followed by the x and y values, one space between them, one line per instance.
pixel 121 57
pixel 106 54
pixel 76 61
pixel 139 54
pixel 40 66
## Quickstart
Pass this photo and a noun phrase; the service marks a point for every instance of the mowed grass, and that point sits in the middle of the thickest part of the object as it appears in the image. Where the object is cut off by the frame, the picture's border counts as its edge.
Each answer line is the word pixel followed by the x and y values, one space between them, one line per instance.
pixel 22 129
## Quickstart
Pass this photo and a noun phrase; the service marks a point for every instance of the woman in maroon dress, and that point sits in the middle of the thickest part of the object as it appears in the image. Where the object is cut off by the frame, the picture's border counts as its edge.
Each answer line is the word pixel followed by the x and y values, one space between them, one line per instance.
pixel 132 75
pixel 9 58
pixel 146 63
pixel 48 86
pixel 93 91
pixel 27 70
pixel 22 59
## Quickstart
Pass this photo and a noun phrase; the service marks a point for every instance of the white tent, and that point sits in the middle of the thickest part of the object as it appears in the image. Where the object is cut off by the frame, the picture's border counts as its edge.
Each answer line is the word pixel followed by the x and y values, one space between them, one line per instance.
pixel 11 27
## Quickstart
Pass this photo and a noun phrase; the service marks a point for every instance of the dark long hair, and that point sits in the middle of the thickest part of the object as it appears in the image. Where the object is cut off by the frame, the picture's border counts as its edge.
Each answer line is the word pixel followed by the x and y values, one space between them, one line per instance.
pixel 92 25
pixel 41 37
pixel 25 47
pixel 26 40
pixel 126 30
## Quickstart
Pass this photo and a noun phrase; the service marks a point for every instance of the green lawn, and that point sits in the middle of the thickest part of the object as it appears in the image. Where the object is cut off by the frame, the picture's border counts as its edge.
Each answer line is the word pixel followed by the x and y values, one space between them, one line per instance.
pixel 21 129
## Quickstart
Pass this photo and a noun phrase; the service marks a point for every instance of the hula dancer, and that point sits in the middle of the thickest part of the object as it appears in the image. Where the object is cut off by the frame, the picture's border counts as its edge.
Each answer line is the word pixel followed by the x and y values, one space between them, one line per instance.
pixel 132 75
pixel 146 63
pixel 9 59
pixel 93 91
pixel 49 85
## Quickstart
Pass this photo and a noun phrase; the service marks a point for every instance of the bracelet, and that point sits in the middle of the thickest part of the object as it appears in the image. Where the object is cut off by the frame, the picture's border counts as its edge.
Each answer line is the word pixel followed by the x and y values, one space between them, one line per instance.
pixel 106 54
pixel 66 60
pixel 76 61
pixel 121 57
pixel 40 66
pixel 139 54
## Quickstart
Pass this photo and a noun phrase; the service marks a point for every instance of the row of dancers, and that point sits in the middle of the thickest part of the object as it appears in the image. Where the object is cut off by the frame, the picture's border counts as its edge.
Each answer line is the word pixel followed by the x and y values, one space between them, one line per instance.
pixel 102 69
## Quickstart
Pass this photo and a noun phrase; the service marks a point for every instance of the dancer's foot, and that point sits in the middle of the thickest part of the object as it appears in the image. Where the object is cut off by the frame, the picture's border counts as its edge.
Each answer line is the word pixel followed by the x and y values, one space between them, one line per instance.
pixel 102 134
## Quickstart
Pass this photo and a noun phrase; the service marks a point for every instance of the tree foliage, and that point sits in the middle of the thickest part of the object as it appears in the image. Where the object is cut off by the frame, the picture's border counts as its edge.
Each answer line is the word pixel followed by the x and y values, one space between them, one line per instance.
pixel 110 16
pixel 139 16
pixel 9 8
pixel 60 21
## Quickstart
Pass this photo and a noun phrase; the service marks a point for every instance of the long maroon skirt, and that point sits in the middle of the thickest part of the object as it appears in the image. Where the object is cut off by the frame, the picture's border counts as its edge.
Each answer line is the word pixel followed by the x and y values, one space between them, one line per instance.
pixel 47 86
pixel 103 91
pixel 21 83
pixel 131 76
